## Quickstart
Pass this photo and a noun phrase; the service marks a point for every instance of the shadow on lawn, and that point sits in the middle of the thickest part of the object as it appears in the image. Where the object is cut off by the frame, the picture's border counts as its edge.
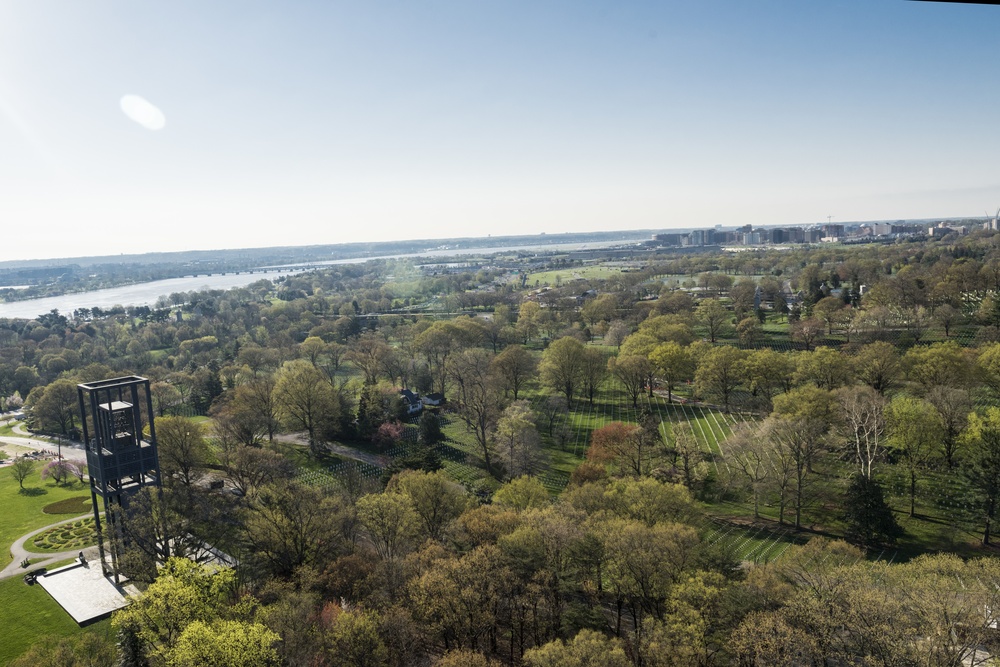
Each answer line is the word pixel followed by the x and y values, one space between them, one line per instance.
pixel 33 491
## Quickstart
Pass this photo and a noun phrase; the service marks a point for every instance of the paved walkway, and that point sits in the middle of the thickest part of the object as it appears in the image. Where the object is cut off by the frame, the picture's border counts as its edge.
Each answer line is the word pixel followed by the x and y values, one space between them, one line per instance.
pixel 19 552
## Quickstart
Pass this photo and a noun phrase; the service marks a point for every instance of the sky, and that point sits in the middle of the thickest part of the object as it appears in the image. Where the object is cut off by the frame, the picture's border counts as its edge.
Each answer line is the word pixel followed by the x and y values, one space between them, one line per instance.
pixel 140 126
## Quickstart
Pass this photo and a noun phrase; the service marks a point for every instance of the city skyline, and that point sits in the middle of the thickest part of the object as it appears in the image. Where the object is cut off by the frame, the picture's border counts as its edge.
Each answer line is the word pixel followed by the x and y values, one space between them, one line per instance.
pixel 320 123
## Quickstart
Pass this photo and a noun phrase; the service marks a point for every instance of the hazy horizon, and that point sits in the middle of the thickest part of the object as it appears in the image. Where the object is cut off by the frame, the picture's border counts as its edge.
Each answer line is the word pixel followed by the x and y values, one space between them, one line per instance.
pixel 146 128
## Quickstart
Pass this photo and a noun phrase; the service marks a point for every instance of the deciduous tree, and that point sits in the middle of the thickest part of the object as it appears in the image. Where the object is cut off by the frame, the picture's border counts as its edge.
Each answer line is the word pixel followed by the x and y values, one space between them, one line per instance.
pixel 562 366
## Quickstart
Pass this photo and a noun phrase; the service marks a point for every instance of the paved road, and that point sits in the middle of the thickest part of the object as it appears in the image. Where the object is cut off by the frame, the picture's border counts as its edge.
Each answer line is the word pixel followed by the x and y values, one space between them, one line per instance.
pixel 19 552
pixel 69 452
pixel 72 451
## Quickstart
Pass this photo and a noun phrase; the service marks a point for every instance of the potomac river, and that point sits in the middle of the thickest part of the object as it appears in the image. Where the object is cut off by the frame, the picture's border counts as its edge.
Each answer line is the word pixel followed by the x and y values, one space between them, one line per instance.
pixel 146 294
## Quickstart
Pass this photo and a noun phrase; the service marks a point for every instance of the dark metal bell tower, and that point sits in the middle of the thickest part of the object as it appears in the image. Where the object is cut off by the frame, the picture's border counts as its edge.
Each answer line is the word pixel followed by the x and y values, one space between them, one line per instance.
pixel 121 459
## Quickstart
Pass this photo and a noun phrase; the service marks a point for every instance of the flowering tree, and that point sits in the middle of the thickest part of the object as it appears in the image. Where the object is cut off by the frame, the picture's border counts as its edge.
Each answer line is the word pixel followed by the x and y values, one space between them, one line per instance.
pixel 60 471
pixel 388 434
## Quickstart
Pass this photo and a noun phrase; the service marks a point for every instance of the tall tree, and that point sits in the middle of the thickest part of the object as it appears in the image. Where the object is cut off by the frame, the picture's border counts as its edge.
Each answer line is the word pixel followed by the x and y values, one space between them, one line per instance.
pixel 476 395
pixel 863 425
pixel 878 366
pixel 953 407
pixel 593 371
pixel 306 401
pixel 713 316
pixel 720 372
pixel 914 428
pixel 515 367
pixel 633 373
pixel 517 440
pixel 562 366
pixel 182 449
pixel 982 464
pixel 750 454
pixel 673 364
pixel 56 408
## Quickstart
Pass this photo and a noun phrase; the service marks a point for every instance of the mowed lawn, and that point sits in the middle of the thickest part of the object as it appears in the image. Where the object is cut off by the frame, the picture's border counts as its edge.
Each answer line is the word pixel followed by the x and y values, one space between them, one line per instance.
pixel 29 615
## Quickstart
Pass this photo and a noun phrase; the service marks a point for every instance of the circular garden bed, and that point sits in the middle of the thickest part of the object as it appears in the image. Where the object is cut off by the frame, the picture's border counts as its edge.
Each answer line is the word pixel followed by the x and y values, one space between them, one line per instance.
pixel 64 537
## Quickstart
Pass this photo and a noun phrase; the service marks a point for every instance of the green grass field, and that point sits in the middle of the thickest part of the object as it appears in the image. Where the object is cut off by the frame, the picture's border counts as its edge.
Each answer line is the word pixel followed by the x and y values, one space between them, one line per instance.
pixel 37 616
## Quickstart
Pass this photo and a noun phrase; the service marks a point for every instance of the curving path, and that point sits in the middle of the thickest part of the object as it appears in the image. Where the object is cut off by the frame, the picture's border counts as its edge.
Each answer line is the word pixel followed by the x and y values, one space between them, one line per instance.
pixel 19 552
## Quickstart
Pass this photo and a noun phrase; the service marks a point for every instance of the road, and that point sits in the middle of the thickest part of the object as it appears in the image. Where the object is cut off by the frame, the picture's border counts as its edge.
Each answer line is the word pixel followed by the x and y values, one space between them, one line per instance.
pixel 71 452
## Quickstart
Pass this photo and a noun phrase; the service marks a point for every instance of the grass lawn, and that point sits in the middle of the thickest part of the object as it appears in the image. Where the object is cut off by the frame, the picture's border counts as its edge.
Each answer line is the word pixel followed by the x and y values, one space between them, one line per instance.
pixel 31 615
pixel 23 511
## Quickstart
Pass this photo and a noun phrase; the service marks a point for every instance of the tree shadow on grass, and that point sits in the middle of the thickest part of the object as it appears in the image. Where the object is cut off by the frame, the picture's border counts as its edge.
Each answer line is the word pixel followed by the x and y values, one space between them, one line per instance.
pixel 33 491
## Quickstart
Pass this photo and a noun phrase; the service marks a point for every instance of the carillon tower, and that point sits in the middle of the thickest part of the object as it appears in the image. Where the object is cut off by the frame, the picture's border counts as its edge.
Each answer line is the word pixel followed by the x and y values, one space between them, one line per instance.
pixel 121 459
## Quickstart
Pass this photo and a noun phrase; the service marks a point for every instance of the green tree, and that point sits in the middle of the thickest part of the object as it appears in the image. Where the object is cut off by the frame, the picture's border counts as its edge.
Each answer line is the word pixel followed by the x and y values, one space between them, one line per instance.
pixel 476 396
pixel 826 367
pixel 436 500
pixel 390 523
pixel 769 373
pixel 633 372
pixel 429 428
pixel 225 643
pixel 750 455
pixel 306 401
pixel 562 366
pixel 944 364
pixel 869 518
pixel 742 298
pixel 184 592
pixel 915 429
pixel 878 366
pixel 182 447
pixel 713 316
pixel 673 365
pixel 831 311
pixel 286 525
pixel 56 408
pixel 587 649
pixel 21 469
pixel 749 331
pixel 515 367
pixel 720 372
pixel 355 640
pixel 953 407
pixel 982 463
pixel 594 371
pixel 521 494
pixel 516 439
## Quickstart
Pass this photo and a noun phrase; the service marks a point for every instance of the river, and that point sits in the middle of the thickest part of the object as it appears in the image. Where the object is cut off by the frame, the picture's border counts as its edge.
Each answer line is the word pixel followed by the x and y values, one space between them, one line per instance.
pixel 146 294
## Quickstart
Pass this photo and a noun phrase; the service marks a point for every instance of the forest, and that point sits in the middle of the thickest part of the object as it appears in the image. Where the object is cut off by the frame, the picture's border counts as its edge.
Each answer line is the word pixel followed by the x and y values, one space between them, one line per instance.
pixel 769 457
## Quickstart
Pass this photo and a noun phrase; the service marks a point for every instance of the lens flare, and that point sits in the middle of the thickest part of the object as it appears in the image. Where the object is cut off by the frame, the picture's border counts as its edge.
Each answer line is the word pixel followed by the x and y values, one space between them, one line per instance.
pixel 143 112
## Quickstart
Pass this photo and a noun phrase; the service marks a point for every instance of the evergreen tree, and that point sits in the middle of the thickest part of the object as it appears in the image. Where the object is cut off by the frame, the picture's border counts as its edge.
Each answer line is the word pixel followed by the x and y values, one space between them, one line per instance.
pixel 869 518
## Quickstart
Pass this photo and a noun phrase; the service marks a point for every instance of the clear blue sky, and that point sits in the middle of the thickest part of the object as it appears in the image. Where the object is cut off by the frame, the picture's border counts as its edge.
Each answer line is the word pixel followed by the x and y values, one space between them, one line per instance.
pixel 325 122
